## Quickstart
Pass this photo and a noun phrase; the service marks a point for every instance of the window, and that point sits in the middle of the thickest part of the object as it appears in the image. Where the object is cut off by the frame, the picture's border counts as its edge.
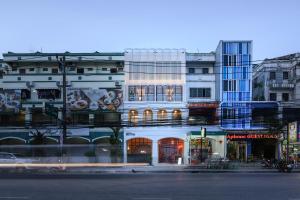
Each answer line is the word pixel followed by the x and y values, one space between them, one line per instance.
pixel 49 78
pixel 104 69
pixel 80 70
pixel 272 75
pixel 55 71
pixel 285 96
pixel 22 71
pixel 72 69
pixel 191 70
pixel 285 75
pixel 25 94
pixel 19 78
pixel 141 93
pixel 273 97
pixel 31 69
pixel 205 71
pixel 225 85
pixel 48 93
pixel 200 92
pixel 113 70
pixel 45 69
pixel 90 69
pixel 110 78
pixel 49 58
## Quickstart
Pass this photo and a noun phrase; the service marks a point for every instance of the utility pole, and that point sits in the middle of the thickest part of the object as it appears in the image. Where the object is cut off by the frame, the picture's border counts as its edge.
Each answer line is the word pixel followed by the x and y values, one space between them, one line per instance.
pixel 62 66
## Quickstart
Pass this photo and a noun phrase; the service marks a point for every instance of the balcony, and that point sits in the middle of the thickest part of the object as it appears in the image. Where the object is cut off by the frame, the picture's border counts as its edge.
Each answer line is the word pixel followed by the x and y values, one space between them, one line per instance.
pixel 279 85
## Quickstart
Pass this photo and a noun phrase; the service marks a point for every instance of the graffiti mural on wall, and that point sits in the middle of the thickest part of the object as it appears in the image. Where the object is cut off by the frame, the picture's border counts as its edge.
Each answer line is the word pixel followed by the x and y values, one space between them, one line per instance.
pixel 10 100
pixel 94 99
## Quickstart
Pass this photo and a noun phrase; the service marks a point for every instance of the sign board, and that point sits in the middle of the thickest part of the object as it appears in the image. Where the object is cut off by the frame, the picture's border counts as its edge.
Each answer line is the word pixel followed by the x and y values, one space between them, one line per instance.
pixel 293 132
pixel 94 99
pixel 252 136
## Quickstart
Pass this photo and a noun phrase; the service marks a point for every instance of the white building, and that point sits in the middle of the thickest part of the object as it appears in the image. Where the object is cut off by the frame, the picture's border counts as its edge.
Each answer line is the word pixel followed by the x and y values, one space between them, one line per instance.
pixel 94 84
pixel 156 94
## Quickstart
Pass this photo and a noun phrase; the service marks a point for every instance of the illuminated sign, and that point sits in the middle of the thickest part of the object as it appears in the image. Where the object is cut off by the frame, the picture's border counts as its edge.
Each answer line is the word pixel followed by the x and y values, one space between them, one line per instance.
pixel 252 136
pixel 203 105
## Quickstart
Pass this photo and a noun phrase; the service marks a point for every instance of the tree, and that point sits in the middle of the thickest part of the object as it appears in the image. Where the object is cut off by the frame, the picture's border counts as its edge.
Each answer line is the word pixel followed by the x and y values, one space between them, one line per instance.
pixel 38 138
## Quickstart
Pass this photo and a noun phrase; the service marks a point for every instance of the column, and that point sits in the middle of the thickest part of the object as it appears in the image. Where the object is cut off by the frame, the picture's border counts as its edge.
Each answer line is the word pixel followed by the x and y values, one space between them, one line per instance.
pixel 186 153
pixel 125 150
pixel 154 152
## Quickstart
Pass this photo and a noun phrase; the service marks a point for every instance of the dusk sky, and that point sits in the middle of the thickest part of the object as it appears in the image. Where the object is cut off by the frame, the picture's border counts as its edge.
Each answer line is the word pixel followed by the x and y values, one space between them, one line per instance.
pixel 196 25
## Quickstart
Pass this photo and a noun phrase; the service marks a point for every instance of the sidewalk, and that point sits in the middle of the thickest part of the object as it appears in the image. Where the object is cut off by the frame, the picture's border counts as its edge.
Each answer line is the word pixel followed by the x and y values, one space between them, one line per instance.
pixel 119 168
pixel 168 169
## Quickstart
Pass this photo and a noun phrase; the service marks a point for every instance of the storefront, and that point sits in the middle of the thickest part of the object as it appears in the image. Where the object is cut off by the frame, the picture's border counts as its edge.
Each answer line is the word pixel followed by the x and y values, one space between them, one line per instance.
pixel 252 146
pixel 172 145
pixel 202 149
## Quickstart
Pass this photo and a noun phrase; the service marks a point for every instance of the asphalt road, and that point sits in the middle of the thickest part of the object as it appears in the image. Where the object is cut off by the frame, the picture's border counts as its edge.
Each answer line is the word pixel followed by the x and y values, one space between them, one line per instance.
pixel 184 186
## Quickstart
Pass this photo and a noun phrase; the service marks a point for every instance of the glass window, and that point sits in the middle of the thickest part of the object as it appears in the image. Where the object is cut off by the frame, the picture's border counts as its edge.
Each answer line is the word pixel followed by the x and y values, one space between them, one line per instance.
pixel 80 70
pixel 225 85
pixel 31 69
pixel 55 71
pixel 272 75
pixel 200 92
pixel 25 94
pixel 45 69
pixel 285 75
pixel 273 96
pixel 22 71
pixel 285 96
pixel 191 70
pixel 205 71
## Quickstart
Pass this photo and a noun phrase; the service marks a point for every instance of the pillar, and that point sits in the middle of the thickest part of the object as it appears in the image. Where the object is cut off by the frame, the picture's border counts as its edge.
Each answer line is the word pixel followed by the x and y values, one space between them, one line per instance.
pixel 186 152
pixel 154 152
pixel 125 150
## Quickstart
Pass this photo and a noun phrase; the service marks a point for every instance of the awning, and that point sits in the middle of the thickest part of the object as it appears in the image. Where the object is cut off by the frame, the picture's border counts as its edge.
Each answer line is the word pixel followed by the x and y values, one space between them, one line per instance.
pixel 211 133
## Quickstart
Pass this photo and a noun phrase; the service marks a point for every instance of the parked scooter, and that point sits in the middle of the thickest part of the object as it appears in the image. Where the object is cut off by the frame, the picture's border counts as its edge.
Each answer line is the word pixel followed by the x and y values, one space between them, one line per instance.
pixel 284 166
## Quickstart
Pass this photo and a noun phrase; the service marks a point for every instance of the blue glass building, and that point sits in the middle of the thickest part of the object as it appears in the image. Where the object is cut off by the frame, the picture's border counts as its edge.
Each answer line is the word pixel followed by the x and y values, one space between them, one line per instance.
pixel 234 83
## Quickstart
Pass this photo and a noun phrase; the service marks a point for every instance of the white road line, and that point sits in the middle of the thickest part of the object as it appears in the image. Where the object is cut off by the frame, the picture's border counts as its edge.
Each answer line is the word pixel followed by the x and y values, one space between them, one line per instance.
pixel 151 198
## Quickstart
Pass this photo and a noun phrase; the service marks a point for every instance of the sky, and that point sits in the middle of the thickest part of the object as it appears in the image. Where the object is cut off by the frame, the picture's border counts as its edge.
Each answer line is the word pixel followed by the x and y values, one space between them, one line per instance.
pixel 114 25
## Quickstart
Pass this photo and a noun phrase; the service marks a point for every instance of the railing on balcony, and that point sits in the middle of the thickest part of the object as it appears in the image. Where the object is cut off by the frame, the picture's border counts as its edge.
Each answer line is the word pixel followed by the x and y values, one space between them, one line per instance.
pixel 283 84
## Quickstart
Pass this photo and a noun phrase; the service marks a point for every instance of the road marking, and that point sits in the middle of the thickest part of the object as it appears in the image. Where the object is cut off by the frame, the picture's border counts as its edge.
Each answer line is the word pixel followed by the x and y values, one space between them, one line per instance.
pixel 151 198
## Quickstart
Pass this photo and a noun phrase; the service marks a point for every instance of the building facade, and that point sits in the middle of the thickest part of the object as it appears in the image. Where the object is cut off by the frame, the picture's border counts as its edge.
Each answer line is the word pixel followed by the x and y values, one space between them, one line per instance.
pixel 31 81
pixel 201 88
pixel 277 80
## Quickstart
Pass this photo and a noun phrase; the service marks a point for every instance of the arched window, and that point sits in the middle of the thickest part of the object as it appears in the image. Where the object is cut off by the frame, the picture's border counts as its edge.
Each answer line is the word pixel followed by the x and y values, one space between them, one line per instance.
pixel 133 116
pixel 148 115
pixel 162 114
pixel 176 114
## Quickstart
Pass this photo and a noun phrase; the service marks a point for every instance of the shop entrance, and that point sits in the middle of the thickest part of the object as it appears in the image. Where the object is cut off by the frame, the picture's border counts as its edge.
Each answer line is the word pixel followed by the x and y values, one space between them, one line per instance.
pixel 197 149
pixel 264 148
pixel 139 150
pixel 236 150
pixel 170 149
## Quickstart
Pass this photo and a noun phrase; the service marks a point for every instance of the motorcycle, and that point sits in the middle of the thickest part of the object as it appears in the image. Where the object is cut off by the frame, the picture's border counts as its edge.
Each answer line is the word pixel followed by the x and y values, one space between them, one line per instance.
pixel 284 166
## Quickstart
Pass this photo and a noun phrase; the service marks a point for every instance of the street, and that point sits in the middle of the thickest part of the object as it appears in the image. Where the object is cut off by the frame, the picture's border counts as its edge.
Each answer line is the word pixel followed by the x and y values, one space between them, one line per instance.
pixel 151 186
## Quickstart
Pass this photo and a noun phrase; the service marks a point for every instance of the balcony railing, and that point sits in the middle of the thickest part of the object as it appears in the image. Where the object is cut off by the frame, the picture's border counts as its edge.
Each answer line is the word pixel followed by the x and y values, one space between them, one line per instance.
pixel 284 84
